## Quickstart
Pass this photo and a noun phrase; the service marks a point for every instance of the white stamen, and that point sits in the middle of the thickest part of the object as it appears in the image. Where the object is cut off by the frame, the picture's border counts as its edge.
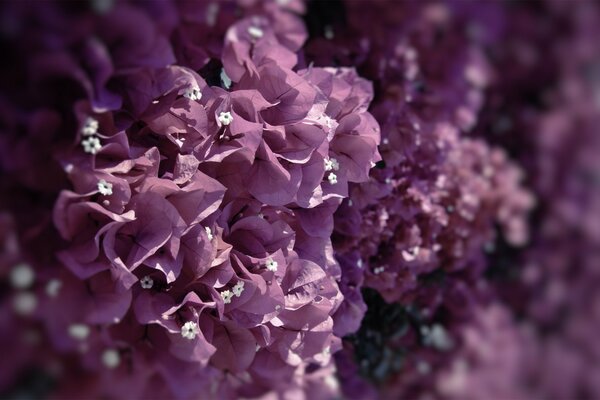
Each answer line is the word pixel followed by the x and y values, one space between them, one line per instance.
pixel 225 118
pixel 271 265
pixel 22 276
pixel 227 296
pixel 91 145
pixel 111 358
pixel 53 287
pixel 105 188
pixel 146 282
pixel 255 32
pixel 24 303
pixel 192 93
pixel 225 79
pixel 208 233
pixel 189 330
pixel 90 127
pixel 332 178
pixel 238 289
pixel 79 331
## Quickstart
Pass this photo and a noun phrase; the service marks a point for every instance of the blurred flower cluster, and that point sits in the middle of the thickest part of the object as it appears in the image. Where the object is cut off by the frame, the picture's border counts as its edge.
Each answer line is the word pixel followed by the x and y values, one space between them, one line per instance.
pixel 299 199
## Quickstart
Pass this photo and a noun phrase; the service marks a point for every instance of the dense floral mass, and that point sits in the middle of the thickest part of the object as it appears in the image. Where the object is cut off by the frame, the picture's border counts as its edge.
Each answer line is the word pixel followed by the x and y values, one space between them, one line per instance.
pixel 299 199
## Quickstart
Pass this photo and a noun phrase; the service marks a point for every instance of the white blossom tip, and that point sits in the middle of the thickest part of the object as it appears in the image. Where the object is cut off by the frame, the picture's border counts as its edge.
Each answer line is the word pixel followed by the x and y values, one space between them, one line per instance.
pixel 192 93
pixel 271 265
pixel 332 178
pixel 105 188
pixel 146 282
pixel 238 289
pixel 90 127
pixel 225 118
pixel 227 295
pixel 91 145
pixel 189 330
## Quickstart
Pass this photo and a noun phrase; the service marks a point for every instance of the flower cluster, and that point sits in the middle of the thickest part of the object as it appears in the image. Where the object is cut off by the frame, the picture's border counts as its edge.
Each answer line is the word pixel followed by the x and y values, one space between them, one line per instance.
pixel 299 199
pixel 197 217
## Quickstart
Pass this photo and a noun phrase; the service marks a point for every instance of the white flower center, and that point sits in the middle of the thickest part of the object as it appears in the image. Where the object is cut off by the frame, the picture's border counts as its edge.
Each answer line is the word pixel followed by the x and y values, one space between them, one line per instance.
pixel 111 358
pixel 90 127
pixel 22 276
pixel 91 145
pixel 192 93
pixel 226 295
pixel 238 289
pixel 208 233
pixel 255 32
pixel 79 331
pixel 189 330
pixel 271 265
pixel 225 118
pixel 53 287
pixel 105 188
pixel 146 282
pixel 332 178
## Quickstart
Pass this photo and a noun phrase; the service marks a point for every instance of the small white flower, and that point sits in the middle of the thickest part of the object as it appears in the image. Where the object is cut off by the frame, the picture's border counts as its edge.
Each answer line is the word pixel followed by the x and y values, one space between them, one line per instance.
pixel 79 331
pixel 208 233
pixel 359 263
pixel 90 127
pixel 255 32
pixel 105 188
pixel 378 270
pixel 111 358
pixel 22 276
pixel 225 79
pixel 238 289
pixel 192 93
pixel 189 330
pixel 271 265
pixel 330 164
pixel 91 145
pixel 53 287
pixel 332 178
pixel 146 282
pixel 227 296
pixel 225 118
pixel 24 303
